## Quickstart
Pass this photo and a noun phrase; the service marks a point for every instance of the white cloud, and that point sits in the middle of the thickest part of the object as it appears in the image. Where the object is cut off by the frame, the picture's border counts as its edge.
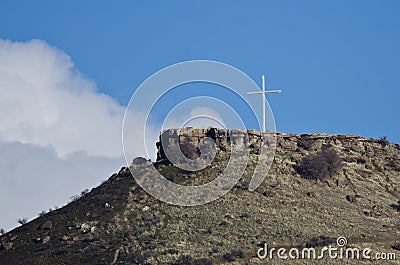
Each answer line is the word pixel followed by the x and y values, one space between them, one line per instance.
pixel 137 142
pixel 195 117
pixel 45 101
pixel 58 134
pixel 204 117
pixel 34 178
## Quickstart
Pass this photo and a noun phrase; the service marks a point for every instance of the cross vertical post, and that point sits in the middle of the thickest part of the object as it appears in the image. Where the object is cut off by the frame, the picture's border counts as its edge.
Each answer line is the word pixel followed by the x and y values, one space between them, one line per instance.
pixel 263 93
pixel 263 98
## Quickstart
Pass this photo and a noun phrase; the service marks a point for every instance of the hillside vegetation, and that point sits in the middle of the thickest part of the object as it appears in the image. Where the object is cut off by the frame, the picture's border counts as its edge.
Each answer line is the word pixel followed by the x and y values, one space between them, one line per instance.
pixel 319 187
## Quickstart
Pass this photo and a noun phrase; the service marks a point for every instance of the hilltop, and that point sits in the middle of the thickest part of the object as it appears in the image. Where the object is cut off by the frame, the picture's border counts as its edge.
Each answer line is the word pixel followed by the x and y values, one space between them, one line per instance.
pixel 119 223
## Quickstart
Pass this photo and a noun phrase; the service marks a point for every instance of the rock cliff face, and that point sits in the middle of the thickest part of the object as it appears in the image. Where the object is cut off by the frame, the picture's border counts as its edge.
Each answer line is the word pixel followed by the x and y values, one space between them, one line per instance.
pixel 253 139
pixel 223 139
pixel 119 223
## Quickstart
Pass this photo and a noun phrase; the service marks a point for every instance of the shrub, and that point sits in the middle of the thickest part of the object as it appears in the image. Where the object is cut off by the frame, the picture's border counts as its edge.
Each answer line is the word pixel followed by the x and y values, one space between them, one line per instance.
pixel 396 245
pixel 238 253
pixel 361 160
pixel 188 260
pixel 319 241
pixel 203 261
pixel 231 257
pixel 321 165
pixel 74 198
pixel 305 143
pixel 383 141
pixel 377 166
pixel 77 197
pixel 135 258
pixel 396 206
pixel 22 221
pixel 42 213
pixel 228 257
pixel 392 164
pixel 84 192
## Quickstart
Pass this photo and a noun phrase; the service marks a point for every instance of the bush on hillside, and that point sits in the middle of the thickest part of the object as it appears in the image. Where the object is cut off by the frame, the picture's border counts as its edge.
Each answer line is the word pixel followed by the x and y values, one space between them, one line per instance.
pixel 22 221
pixel 321 165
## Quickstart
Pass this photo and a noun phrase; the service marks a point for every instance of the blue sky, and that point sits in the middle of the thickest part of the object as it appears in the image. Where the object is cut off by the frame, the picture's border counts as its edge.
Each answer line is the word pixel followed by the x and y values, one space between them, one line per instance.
pixel 68 70
pixel 337 61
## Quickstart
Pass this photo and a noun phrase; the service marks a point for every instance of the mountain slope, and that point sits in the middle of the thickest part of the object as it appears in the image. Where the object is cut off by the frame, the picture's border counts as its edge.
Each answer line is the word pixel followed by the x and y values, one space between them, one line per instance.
pixel 119 223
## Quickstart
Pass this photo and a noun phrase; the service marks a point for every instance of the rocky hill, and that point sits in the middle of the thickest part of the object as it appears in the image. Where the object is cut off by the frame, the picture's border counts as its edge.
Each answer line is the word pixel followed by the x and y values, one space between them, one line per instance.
pixel 320 187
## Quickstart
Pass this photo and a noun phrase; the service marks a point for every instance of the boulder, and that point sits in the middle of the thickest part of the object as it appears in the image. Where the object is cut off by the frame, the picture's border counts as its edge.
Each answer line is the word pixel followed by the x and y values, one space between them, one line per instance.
pixel 8 245
pixel 45 239
pixel 139 161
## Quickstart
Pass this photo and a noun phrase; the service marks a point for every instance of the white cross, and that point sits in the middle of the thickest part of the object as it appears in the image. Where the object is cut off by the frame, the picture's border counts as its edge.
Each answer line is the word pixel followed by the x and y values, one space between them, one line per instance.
pixel 263 93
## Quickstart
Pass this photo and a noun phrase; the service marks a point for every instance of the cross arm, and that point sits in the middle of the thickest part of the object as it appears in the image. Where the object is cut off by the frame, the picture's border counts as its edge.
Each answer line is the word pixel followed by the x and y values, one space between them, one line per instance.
pixel 253 93
pixel 261 92
pixel 273 91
